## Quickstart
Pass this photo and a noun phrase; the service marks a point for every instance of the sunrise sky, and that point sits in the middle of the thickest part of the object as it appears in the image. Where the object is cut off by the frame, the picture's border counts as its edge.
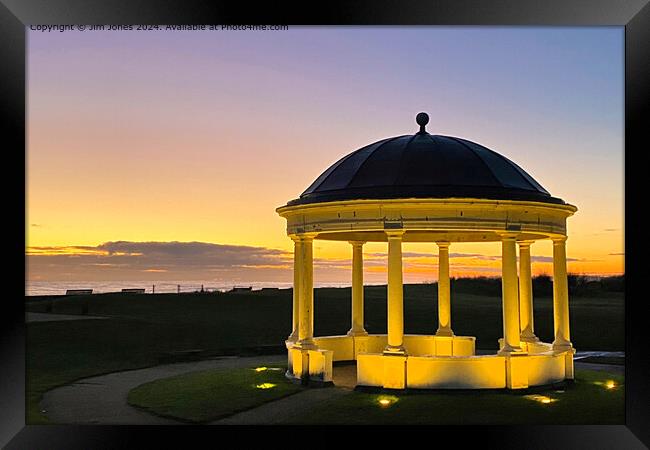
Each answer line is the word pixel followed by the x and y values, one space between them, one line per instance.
pixel 163 155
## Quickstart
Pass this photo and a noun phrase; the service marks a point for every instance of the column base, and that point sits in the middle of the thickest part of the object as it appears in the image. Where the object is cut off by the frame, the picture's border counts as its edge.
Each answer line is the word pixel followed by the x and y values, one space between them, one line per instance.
pixel 299 360
pixel 562 345
pixel 306 344
pixel 310 366
pixel 391 350
pixel 510 350
pixel 446 332
pixel 529 338
pixel 360 332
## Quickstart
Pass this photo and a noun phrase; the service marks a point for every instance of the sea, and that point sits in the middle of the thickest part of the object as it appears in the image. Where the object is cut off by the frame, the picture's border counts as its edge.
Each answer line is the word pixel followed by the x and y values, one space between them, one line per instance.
pixel 60 287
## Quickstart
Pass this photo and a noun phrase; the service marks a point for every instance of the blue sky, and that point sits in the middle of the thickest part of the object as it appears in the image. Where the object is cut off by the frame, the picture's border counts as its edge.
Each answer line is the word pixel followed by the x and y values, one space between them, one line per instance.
pixel 172 118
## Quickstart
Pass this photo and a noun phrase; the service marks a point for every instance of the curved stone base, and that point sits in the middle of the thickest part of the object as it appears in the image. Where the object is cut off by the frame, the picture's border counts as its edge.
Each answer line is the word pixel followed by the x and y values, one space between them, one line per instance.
pixel 431 362
pixel 540 365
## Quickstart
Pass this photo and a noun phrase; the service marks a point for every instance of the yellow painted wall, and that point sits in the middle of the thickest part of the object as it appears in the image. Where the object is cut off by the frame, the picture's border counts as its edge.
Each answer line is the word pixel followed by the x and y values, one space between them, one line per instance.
pixel 370 369
pixel 478 372
pixel 346 347
pixel 377 343
pixel 463 345
pixel 463 370
pixel 342 346
pixel 545 369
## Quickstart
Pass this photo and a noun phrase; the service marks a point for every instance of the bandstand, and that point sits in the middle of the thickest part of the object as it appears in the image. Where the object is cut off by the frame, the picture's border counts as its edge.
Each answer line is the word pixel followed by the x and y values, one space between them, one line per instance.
pixel 443 190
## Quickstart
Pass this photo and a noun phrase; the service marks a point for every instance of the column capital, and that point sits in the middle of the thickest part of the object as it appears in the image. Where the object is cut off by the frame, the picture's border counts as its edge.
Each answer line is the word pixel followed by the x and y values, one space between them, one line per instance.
pixel 559 240
pixel 394 234
pixel 304 237
pixel 443 244
pixel 356 243
pixel 525 243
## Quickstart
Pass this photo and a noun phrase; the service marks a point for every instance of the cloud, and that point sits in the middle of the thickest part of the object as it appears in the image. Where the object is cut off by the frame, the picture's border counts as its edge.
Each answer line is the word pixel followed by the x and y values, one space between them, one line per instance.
pixel 190 260
pixel 36 225
pixel 127 260
pixel 617 254
pixel 549 259
pixel 62 250
pixel 610 229
pixel 191 253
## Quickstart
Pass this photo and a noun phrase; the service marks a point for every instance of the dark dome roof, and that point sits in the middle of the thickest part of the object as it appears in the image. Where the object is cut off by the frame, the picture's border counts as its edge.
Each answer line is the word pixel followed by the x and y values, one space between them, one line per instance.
pixel 424 166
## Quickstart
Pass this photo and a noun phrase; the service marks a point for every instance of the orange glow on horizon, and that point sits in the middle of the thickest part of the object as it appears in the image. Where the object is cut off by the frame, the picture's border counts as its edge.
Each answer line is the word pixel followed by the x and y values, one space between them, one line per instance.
pixel 206 150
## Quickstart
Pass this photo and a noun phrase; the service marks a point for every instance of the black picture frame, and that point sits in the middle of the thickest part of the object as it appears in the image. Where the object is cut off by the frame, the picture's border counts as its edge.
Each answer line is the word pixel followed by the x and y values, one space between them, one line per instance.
pixel 634 15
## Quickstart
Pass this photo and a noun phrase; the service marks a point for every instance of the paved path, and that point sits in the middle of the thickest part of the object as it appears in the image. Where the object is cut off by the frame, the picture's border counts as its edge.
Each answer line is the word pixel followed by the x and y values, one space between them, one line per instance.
pixel 103 399
pixel 285 409
pixel 612 368
pixel 45 317
pixel 581 355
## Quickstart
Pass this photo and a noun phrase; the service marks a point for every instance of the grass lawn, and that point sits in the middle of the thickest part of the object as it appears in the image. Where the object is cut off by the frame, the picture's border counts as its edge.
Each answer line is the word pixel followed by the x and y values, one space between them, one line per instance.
pixel 201 397
pixel 583 402
pixel 142 328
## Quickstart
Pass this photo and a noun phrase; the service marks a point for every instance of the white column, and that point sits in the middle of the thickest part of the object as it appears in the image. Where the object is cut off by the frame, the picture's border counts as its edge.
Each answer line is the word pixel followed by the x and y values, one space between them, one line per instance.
pixel 560 296
pixel 444 292
pixel 297 266
pixel 395 294
pixel 306 309
pixel 510 294
pixel 526 293
pixel 357 328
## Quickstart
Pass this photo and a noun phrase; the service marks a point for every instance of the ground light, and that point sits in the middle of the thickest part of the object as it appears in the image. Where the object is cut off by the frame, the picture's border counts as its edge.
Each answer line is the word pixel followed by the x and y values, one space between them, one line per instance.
pixel 386 400
pixel 266 386
pixel 262 369
pixel 540 398
pixel 609 384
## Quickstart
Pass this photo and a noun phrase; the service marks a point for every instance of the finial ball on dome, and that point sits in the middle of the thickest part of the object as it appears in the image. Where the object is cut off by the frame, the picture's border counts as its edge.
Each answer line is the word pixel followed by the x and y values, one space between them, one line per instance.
pixel 422 119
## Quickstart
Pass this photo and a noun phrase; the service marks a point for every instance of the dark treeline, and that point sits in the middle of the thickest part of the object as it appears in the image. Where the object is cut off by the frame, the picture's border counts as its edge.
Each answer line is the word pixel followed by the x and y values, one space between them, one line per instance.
pixel 542 285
